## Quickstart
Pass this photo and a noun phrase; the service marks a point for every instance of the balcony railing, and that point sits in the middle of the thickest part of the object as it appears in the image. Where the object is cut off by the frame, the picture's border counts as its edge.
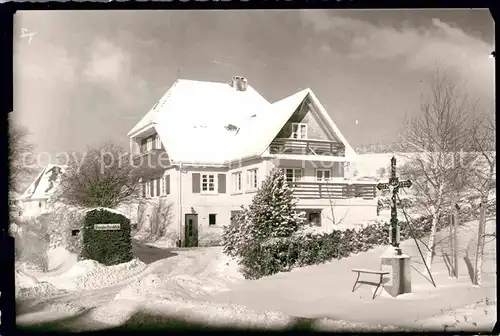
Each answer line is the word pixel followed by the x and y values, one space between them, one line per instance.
pixel 307 147
pixel 333 190
pixel 152 164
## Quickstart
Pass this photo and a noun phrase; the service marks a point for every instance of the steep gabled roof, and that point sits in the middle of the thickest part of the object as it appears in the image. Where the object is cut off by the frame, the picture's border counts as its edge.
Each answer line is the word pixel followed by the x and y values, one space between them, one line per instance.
pixel 46 182
pixel 206 101
pixel 206 122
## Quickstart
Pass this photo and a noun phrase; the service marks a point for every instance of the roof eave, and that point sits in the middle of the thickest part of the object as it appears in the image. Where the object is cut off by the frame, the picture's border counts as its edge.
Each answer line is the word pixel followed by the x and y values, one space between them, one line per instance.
pixel 133 133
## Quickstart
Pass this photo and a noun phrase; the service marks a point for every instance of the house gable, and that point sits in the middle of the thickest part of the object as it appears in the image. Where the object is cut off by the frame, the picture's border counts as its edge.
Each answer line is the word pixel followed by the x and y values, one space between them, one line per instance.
pixel 317 129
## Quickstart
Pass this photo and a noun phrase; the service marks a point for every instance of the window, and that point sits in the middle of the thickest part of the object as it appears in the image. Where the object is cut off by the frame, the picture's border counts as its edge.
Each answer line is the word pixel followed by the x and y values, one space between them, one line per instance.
pixel 323 174
pixel 148 188
pixel 299 131
pixel 164 186
pixel 212 219
pixel 293 174
pixel 149 144
pixel 252 179
pixel 157 142
pixel 208 182
pixel 237 182
pixel 314 218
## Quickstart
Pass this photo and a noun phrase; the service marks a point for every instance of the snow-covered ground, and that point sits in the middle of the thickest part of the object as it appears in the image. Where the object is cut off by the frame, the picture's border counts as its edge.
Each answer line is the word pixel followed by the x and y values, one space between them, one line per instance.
pixel 202 285
pixel 167 288
pixel 325 290
pixel 66 274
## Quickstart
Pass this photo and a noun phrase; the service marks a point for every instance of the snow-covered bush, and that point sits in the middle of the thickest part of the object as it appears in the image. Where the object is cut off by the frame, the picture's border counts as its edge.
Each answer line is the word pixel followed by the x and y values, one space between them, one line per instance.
pixel 272 214
pixel 234 237
pixel 303 249
pixel 109 247
pixel 31 245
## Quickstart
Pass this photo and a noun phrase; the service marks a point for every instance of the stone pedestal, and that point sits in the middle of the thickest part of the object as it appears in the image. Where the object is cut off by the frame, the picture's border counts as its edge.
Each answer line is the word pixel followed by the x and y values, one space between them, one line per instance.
pixel 400 273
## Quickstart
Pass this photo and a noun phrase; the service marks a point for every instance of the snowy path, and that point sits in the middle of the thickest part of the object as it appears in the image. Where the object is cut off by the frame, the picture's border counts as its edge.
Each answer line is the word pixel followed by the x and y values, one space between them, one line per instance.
pixel 195 262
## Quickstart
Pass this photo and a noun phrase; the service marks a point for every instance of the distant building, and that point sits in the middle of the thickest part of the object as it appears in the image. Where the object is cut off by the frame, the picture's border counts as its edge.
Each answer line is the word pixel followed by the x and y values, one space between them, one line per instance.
pixel 36 200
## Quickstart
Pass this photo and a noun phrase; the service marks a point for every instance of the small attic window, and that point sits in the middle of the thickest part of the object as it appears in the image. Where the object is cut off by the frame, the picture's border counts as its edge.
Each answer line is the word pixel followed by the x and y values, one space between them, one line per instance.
pixel 231 127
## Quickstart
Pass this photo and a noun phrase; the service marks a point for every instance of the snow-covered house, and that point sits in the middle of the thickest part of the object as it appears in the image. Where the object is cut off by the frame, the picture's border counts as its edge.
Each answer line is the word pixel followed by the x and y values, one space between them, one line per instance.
pixel 36 200
pixel 208 146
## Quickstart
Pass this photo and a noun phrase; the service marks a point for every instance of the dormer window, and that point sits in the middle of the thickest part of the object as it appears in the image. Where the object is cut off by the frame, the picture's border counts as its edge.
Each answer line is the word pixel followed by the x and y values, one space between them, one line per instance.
pixel 299 131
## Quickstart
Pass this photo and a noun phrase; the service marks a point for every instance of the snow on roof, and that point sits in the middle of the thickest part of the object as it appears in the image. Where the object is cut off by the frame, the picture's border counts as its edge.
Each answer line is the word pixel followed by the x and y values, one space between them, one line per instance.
pixel 201 122
pixel 260 130
pixel 46 182
pixel 199 119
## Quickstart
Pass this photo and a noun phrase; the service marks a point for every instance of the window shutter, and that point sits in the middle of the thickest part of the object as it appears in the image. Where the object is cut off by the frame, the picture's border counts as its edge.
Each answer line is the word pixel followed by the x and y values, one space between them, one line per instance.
pixel 143 189
pixel 167 184
pixel 221 183
pixel 196 183
pixel 158 186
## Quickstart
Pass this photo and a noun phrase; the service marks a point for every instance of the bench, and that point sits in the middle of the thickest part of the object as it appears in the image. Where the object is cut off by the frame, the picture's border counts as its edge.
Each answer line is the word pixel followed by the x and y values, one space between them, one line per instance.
pixel 366 271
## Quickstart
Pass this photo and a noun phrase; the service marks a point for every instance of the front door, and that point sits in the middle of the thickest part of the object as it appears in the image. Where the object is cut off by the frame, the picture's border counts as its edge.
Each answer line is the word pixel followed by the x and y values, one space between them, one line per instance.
pixel 191 230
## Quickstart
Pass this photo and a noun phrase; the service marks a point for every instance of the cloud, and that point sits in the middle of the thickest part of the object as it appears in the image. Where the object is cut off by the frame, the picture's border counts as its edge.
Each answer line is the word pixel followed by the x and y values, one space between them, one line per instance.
pixel 45 62
pixel 109 67
pixel 416 49
pixel 107 62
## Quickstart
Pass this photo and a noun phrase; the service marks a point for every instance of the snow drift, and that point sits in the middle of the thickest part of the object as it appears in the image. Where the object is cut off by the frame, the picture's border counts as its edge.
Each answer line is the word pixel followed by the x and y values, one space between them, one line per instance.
pixel 189 275
pixel 90 274
pixel 28 286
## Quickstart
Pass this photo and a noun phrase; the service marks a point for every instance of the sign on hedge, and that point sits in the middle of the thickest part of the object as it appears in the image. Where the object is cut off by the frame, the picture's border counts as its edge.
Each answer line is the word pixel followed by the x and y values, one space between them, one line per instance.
pixel 109 226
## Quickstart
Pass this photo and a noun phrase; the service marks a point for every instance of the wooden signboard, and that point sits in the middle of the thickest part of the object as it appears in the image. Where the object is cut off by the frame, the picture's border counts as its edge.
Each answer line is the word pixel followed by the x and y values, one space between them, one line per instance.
pixel 107 227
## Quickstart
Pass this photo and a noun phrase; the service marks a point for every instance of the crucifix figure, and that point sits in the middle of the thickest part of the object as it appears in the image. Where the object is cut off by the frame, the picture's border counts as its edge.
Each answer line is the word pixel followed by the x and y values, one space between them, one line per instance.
pixel 393 187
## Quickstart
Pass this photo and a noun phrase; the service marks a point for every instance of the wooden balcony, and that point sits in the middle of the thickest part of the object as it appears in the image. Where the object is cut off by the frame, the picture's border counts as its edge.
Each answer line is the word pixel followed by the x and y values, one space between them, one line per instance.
pixel 152 164
pixel 333 190
pixel 306 147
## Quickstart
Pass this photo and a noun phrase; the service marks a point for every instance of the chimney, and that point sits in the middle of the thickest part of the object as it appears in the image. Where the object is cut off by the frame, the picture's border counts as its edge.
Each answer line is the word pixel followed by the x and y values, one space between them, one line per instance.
pixel 239 83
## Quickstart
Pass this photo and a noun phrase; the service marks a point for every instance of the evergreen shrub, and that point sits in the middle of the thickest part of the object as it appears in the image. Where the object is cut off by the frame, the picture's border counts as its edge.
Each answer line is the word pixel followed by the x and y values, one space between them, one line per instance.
pixel 108 247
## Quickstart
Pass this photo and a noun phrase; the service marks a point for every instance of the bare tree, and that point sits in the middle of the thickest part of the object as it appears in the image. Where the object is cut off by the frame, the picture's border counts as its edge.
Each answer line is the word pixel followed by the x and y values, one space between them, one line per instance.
pixel 381 172
pixel 435 136
pixel 333 204
pixel 20 155
pixel 141 214
pixel 481 177
pixel 160 219
pixel 102 177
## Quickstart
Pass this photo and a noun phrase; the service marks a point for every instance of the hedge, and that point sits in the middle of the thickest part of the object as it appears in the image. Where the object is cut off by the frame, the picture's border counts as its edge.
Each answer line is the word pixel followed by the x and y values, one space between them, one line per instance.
pixel 284 254
pixel 109 247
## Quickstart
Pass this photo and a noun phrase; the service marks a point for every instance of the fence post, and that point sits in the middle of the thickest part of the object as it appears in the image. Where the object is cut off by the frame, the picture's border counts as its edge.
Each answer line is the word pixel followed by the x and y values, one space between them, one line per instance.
pixel 480 240
pixel 455 239
pixel 452 245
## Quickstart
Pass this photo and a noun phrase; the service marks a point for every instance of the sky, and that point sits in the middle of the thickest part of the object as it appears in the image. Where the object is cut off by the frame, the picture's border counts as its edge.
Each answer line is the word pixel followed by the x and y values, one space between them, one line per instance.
pixel 86 77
